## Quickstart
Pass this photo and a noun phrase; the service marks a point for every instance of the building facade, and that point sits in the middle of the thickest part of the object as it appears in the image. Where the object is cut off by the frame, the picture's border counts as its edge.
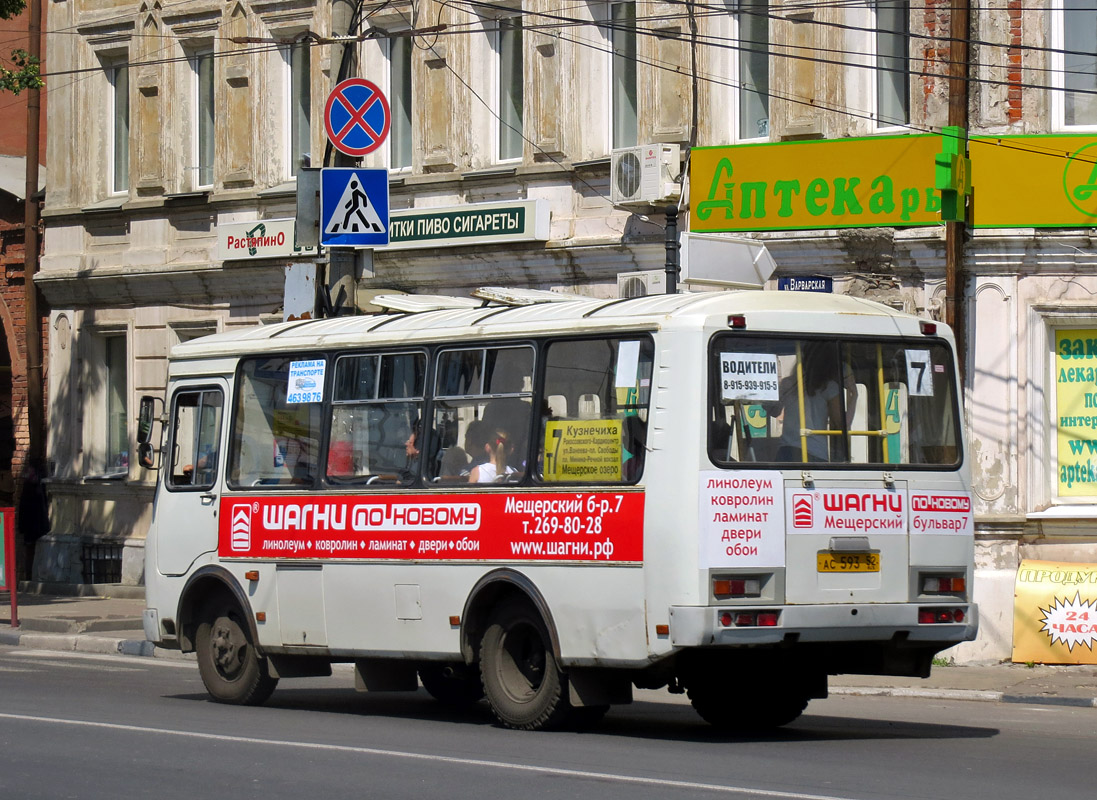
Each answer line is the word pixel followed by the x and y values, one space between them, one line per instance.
pixel 191 121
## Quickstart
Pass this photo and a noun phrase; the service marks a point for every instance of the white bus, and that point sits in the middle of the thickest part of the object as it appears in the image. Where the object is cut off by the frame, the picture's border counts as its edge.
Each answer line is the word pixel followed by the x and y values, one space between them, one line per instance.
pixel 549 499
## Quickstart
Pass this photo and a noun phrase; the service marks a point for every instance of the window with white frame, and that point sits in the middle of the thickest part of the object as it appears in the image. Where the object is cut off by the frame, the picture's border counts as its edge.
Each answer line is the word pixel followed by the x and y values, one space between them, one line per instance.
pixel 621 37
pixel 1074 63
pixel 509 89
pixel 753 69
pixel 203 132
pixel 106 434
pixel 892 48
pixel 298 105
pixel 118 75
pixel 400 97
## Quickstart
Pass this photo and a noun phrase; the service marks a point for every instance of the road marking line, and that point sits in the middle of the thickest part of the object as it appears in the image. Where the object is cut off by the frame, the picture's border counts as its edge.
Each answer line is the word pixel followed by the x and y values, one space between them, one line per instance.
pixel 473 762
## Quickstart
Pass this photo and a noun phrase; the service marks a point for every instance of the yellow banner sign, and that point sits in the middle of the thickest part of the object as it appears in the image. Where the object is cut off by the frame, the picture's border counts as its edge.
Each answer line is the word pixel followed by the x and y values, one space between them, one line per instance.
pixel 839 183
pixel 1055 613
pixel 1034 181
pixel 588 449
pixel 1076 411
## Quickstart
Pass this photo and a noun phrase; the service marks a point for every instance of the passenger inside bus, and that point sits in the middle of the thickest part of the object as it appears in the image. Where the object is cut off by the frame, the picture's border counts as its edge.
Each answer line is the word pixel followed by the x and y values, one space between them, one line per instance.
pixel 499 449
pixel 825 418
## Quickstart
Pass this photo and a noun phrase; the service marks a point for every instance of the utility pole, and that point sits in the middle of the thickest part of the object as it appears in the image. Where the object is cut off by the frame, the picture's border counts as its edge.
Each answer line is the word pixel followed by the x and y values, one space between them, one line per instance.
pixel 33 344
pixel 671 244
pixel 955 232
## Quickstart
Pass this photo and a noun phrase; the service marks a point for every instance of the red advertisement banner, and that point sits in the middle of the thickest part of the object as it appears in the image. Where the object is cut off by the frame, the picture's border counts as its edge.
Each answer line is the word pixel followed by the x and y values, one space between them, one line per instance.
pixel 577 526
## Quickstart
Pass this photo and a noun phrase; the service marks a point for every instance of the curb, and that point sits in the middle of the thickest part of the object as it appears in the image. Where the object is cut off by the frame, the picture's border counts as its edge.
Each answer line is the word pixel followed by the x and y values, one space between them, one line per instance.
pixel 974 695
pixel 102 645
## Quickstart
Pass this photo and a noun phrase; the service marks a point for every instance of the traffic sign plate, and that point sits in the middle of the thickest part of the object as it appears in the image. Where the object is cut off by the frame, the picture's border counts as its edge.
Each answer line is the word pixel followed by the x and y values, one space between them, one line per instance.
pixel 357 117
pixel 354 207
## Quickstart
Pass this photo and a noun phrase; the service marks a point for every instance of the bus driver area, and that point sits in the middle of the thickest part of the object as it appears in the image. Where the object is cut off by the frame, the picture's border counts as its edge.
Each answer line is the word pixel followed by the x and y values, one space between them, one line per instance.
pixel 544 500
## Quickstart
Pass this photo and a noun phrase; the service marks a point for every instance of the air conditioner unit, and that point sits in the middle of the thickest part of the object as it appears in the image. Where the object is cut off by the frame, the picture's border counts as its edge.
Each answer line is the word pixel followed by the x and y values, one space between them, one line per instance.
pixel 641 284
pixel 645 175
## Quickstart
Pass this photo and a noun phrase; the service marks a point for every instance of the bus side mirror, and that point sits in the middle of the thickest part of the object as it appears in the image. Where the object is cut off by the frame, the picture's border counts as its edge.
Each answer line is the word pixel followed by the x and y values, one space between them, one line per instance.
pixel 146 417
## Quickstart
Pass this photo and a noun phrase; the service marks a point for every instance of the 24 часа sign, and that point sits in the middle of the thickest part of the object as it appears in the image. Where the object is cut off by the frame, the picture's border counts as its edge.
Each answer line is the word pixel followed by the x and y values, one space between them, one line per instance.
pixel 1055 613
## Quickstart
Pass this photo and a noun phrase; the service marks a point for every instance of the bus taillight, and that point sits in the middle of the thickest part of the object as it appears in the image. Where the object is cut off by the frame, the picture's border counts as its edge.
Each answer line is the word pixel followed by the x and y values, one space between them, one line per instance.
pixel 737 587
pixel 943 584
pixel 933 616
pixel 750 619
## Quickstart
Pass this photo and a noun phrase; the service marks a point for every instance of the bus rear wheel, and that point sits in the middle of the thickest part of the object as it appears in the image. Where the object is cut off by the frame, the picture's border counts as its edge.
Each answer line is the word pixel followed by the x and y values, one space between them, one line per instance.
pixel 522 681
pixel 232 669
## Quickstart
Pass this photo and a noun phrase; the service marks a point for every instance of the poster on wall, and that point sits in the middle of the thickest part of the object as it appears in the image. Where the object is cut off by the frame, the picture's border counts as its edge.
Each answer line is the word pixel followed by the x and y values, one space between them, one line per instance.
pixel 1055 613
pixel 1076 411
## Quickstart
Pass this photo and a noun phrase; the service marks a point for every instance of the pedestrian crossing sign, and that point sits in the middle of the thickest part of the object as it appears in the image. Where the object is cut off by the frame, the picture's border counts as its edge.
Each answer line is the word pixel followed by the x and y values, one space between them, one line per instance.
pixel 354 207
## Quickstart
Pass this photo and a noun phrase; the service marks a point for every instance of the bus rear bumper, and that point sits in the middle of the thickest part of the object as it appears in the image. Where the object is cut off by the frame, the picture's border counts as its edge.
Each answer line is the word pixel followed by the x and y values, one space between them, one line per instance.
pixel 700 626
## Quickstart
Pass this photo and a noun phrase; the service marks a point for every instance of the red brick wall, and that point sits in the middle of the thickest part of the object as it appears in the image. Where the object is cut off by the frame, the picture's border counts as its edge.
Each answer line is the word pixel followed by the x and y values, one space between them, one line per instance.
pixel 13 108
pixel 13 320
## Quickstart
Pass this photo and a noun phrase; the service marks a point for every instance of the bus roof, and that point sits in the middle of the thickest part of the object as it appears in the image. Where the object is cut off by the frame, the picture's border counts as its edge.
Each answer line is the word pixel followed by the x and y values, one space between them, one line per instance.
pixel 764 311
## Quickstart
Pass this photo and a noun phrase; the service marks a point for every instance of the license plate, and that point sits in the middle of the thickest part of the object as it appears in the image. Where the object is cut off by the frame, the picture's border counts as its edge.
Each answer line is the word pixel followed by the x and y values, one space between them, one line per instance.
pixel 848 562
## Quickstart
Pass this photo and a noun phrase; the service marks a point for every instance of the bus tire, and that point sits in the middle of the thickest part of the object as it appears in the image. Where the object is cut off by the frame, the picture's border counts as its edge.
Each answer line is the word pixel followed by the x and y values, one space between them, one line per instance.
pixel 523 684
pixel 232 669
pixel 452 685
pixel 760 711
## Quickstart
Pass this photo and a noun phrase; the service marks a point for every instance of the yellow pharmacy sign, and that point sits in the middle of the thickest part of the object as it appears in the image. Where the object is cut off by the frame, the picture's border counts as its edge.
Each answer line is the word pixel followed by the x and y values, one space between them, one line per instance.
pixel 1055 613
pixel 839 183
pixel 588 449
pixel 1034 181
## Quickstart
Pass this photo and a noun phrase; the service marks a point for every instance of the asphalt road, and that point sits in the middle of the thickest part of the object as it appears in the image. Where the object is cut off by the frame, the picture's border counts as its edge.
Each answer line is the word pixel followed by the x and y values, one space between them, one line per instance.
pixel 108 727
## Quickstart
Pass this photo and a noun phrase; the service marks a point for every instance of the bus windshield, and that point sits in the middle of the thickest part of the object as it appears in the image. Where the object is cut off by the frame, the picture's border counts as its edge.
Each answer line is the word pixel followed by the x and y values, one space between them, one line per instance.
pixel 848 401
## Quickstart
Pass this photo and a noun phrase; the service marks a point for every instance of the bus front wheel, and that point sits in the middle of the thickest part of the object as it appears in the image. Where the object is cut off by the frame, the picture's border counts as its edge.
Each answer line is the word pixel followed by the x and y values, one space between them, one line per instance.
pixel 231 668
pixel 522 681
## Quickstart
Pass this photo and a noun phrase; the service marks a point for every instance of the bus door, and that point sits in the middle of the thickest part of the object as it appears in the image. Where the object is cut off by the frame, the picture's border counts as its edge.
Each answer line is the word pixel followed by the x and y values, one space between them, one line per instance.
pixel 846 542
pixel 192 466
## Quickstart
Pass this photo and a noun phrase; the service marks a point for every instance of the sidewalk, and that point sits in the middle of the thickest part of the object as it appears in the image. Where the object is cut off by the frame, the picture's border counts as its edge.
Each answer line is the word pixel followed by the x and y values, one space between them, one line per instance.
pixel 108 624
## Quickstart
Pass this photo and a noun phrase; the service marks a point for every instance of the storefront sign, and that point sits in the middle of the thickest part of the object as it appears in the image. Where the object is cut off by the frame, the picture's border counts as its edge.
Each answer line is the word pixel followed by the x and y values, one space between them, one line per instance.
pixel 1076 411
pixel 264 238
pixel 1034 181
pixel 841 183
pixel 479 223
pixel 1055 613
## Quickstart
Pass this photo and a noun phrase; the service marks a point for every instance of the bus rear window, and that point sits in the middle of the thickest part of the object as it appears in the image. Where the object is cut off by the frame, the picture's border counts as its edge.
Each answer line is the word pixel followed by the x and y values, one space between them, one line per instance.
pixel 816 400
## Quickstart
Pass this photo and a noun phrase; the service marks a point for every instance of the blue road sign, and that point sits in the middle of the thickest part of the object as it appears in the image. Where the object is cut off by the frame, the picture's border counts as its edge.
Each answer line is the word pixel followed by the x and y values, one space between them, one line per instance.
pixel 811 283
pixel 354 207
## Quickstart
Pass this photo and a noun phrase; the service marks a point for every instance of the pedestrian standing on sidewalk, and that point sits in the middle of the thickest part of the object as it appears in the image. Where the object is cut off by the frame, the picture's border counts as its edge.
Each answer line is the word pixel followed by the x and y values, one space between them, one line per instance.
pixel 33 517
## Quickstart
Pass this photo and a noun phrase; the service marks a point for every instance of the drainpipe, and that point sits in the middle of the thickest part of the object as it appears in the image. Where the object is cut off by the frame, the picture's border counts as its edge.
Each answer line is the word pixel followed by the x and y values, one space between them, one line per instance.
pixel 33 349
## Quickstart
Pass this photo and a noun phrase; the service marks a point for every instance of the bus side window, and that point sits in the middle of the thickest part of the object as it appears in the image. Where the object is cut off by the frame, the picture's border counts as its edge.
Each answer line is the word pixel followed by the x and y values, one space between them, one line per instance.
pixel 482 415
pixel 377 436
pixel 593 426
pixel 195 438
